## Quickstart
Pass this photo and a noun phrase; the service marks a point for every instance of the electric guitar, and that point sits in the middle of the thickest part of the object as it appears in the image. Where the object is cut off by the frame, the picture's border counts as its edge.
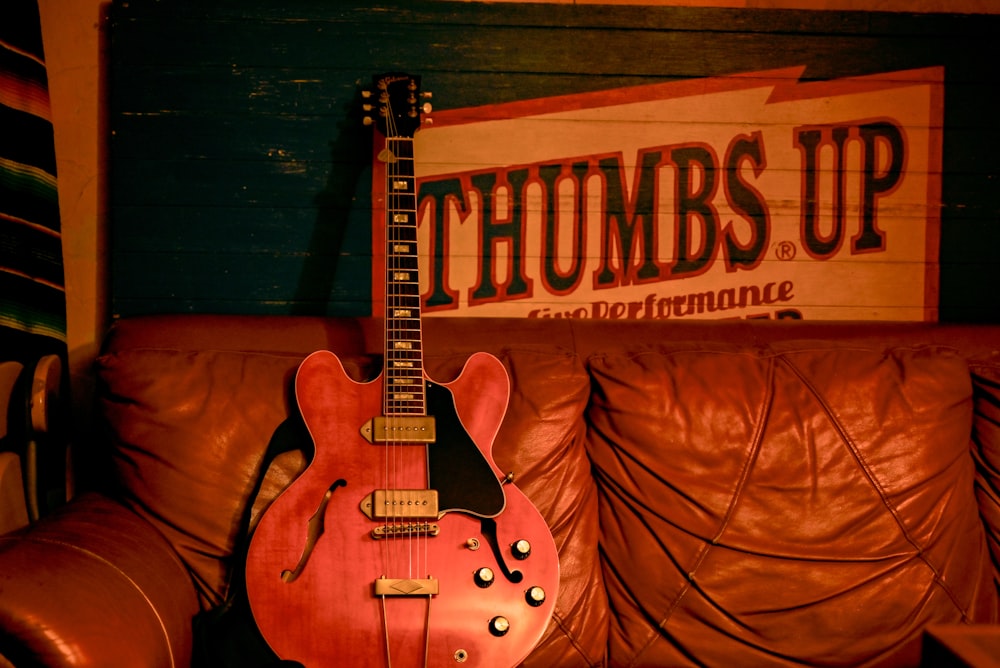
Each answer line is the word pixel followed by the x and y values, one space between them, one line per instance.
pixel 402 544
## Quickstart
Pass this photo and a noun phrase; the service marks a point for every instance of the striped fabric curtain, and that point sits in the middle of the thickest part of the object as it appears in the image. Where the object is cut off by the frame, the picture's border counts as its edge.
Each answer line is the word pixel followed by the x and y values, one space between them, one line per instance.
pixel 32 295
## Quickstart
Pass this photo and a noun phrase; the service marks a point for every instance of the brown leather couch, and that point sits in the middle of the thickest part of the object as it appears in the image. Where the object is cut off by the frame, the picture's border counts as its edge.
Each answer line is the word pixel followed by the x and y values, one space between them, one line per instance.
pixel 721 493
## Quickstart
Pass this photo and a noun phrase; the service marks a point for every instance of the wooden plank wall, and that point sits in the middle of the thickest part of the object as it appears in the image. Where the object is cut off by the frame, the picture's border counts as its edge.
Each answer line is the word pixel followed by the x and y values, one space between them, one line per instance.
pixel 240 172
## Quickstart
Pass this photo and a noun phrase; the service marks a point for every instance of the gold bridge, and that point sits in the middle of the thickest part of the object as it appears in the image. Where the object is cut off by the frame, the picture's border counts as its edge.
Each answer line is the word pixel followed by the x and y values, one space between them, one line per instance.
pixel 405 530
pixel 400 429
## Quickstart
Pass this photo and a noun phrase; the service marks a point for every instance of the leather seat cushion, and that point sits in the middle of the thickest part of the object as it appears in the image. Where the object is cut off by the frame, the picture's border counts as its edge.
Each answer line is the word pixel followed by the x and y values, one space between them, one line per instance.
pixel 986 450
pixel 775 508
pixel 189 431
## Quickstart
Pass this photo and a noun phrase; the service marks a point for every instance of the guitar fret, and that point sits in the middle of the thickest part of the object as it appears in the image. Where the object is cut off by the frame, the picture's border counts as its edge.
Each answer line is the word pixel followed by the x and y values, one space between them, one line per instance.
pixel 413 408
pixel 400 400
pixel 402 259
pixel 403 331
pixel 407 377
pixel 403 315
pixel 410 354
pixel 411 334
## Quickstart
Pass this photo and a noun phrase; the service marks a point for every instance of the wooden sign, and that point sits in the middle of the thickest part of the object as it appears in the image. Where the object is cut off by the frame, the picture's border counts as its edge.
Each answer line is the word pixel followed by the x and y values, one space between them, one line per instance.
pixel 751 195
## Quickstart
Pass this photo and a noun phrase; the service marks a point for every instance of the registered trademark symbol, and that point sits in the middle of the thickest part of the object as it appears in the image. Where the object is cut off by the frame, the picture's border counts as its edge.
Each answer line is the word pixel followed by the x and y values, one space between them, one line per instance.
pixel 785 250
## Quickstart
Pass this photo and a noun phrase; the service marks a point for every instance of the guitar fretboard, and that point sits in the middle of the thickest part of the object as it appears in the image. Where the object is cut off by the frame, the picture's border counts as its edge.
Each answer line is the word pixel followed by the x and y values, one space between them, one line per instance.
pixel 404 386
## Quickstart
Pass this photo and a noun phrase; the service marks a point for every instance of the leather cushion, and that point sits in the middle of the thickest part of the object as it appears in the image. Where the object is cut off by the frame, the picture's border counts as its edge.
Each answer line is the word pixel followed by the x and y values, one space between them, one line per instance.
pixel 811 506
pixel 986 450
pixel 541 441
pixel 189 430
pixel 73 583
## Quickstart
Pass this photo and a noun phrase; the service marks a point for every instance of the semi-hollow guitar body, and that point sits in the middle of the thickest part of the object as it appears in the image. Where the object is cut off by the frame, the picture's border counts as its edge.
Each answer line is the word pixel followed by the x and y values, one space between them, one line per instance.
pixel 331 614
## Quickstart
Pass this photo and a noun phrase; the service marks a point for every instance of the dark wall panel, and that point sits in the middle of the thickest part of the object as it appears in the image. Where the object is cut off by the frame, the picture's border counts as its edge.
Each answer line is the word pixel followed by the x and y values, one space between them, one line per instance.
pixel 240 170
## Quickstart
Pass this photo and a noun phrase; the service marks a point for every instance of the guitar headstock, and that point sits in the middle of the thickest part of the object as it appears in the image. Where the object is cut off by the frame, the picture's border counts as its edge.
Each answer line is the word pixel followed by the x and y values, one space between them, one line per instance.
pixel 394 104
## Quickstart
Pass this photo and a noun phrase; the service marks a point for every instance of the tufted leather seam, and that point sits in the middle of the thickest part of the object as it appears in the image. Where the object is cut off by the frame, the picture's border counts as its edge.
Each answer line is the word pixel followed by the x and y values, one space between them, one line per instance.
pixel 874 482
pixel 610 487
pixel 562 625
pixel 77 548
pixel 752 453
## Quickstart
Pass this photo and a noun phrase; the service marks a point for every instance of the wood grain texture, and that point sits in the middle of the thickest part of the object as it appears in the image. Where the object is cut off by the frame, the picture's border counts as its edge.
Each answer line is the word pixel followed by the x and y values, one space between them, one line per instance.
pixel 240 173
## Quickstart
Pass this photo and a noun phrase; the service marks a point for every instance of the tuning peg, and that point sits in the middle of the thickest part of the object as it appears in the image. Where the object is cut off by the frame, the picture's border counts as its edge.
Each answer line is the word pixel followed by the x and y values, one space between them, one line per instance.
pixel 426 107
pixel 367 120
pixel 427 94
pixel 365 93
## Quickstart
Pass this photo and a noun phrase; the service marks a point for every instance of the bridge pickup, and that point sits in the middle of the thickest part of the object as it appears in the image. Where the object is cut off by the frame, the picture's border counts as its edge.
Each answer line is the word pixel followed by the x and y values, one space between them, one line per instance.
pixel 406 587
pixel 413 429
pixel 405 530
pixel 397 504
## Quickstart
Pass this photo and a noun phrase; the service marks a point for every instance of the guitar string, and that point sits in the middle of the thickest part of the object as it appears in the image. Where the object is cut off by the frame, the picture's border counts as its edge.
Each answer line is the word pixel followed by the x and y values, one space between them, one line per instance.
pixel 402 307
pixel 392 353
pixel 402 528
pixel 393 289
pixel 389 538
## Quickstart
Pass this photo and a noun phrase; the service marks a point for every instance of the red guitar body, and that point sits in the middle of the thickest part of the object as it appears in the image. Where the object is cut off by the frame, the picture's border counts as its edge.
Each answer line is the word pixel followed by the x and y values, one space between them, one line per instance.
pixel 327 590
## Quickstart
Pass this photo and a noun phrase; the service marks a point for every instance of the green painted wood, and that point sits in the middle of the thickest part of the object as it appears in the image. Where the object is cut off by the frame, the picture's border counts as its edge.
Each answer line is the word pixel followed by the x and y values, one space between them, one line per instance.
pixel 240 173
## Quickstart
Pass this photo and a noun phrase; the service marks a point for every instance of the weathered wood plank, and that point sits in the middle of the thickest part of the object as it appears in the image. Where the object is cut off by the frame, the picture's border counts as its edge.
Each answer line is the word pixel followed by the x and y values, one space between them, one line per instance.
pixel 240 174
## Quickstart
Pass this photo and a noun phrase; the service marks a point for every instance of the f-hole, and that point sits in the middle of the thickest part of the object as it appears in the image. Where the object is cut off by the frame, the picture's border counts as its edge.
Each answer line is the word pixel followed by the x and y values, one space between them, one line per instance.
pixel 488 526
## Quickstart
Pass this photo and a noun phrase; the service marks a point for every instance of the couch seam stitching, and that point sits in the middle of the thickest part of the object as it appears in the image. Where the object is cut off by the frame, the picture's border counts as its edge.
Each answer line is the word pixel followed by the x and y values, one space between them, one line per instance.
pixel 752 454
pixel 876 485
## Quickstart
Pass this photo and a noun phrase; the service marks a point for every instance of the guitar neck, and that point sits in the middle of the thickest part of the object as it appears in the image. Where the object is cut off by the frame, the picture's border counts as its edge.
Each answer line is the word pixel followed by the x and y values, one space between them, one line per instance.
pixel 404 386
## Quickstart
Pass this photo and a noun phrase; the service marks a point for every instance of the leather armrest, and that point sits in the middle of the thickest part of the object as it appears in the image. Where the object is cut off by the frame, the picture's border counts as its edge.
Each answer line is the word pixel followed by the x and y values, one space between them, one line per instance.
pixel 13 512
pixel 94 585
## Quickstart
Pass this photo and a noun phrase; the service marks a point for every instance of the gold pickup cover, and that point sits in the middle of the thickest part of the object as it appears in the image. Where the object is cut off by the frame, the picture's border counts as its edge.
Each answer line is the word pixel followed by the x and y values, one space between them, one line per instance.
pixel 396 504
pixel 416 429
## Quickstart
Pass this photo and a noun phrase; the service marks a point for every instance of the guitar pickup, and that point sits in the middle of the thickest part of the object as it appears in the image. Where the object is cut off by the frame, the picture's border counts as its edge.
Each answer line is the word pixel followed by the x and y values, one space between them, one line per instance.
pixel 414 429
pixel 397 504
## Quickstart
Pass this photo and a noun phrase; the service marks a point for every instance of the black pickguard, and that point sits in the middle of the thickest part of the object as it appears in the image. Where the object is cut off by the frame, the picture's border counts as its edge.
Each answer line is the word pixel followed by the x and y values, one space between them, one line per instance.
pixel 458 470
